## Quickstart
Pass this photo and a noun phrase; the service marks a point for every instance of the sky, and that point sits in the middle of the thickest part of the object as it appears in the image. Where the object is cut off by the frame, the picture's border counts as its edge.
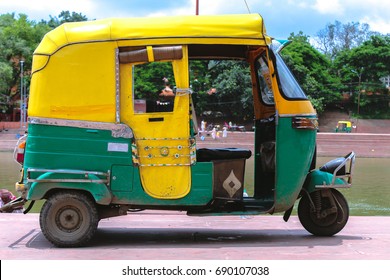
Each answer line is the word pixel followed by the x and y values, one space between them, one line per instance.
pixel 281 17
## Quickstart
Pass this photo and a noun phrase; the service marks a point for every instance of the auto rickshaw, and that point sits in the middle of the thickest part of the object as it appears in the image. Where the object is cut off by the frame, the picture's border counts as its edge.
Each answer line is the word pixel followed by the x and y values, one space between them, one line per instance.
pixel 97 148
pixel 344 126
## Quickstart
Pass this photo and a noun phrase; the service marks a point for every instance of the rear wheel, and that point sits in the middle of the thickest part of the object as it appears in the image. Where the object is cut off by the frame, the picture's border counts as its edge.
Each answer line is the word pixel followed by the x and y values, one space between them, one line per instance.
pixel 325 213
pixel 69 219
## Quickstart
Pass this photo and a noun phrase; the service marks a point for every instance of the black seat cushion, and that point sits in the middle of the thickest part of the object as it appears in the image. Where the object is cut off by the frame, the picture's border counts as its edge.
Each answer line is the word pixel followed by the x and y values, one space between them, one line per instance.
pixel 204 154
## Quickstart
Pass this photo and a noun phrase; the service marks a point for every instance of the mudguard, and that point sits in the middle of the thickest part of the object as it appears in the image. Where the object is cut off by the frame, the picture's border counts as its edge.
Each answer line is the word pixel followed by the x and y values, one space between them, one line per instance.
pixel 50 180
pixel 336 173
pixel 318 178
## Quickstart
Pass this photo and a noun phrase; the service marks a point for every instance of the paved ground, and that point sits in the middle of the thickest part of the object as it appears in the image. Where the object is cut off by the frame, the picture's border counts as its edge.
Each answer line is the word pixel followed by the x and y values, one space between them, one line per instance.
pixel 157 235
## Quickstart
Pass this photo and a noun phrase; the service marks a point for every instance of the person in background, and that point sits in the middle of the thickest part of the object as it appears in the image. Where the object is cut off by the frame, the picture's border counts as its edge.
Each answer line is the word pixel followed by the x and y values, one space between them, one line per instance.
pixel 167 97
pixel 202 126
pixel 167 91
pixel 5 197
pixel 224 132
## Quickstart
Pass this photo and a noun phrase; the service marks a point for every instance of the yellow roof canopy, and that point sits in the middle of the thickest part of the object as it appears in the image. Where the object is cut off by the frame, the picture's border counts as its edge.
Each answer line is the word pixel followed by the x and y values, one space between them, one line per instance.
pixel 217 29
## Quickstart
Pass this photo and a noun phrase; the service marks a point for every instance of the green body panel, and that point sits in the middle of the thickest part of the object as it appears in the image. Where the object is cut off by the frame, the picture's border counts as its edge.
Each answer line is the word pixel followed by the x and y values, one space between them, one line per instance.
pixel 294 153
pixel 70 148
pixel 122 178
pixel 200 193
pixel 57 147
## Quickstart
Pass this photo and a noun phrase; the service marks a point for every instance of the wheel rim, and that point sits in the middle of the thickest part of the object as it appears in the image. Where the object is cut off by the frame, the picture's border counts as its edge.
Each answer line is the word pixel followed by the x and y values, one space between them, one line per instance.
pixel 331 218
pixel 69 219
pixel 68 222
pixel 324 219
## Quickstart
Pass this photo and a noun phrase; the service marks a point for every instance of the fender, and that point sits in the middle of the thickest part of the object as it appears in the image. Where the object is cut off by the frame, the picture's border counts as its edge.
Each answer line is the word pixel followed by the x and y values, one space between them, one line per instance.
pixel 51 180
pixel 314 179
pixel 321 178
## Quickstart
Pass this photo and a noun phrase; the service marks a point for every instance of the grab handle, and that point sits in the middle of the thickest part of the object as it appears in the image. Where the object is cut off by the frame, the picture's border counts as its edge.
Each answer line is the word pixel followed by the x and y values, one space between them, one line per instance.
pixel 156 119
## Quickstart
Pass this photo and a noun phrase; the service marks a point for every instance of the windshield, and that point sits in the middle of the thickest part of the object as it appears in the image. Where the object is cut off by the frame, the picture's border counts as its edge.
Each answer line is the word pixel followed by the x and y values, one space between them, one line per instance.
pixel 287 83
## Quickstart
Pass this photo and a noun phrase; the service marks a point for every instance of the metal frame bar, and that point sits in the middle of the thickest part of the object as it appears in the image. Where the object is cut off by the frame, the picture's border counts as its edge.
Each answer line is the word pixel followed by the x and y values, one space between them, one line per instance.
pixel 118 130
pixel 117 88
pixel 73 172
pixel 348 174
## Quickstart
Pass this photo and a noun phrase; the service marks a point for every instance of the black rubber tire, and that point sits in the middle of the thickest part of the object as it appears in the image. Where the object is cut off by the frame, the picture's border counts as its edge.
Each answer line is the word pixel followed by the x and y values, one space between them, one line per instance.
pixel 328 226
pixel 69 219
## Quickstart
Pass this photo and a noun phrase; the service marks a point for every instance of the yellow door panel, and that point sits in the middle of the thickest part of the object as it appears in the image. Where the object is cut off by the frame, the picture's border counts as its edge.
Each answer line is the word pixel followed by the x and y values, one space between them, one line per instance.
pixel 163 148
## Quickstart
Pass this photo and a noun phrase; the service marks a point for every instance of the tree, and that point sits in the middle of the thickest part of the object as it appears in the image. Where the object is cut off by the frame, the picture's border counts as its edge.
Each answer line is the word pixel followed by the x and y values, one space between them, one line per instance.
pixel 66 16
pixel 149 78
pixel 311 69
pixel 5 80
pixel 19 37
pixel 200 84
pixel 361 68
pixel 336 37
pixel 232 82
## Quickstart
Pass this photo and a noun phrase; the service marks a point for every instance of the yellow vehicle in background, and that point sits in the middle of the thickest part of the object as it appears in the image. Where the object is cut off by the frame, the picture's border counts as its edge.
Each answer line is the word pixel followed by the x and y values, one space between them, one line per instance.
pixel 98 148
pixel 344 126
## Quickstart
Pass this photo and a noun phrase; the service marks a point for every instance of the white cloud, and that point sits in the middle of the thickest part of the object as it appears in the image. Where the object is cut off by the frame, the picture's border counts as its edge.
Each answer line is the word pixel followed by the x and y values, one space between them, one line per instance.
pixel 377 24
pixel 374 12
pixel 44 5
pixel 212 7
pixel 300 4
pixel 188 9
pixel 45 8
pixel 222 7
pixel 329 7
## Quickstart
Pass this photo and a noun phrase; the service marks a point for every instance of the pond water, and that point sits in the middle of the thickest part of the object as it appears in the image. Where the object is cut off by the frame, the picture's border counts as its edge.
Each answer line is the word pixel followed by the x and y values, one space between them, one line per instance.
pixel 369 195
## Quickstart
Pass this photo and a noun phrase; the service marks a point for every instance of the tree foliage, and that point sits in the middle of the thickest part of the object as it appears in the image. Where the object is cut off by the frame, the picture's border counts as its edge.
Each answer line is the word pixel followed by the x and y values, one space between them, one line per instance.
pixel 200 85
pixel 149 78
pixel 19 37
pixel 233 91
pixel 337 37
pixel 361 68
pixel 311 69
pixel 65 16
pixel 352 66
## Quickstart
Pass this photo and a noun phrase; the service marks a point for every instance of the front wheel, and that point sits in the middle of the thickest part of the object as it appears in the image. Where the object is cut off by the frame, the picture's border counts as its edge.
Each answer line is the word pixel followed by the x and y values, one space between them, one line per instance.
pixel 324 213
pixel 69 219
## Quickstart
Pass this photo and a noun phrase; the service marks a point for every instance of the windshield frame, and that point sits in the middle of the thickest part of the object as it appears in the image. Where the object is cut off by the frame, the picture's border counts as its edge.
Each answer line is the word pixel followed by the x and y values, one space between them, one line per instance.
pixel 289 87
pixel 266 91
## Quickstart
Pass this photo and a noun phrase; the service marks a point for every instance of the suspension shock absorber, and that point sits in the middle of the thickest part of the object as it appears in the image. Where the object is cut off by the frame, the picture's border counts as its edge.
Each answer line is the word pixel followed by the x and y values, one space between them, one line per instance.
pixel 317 203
